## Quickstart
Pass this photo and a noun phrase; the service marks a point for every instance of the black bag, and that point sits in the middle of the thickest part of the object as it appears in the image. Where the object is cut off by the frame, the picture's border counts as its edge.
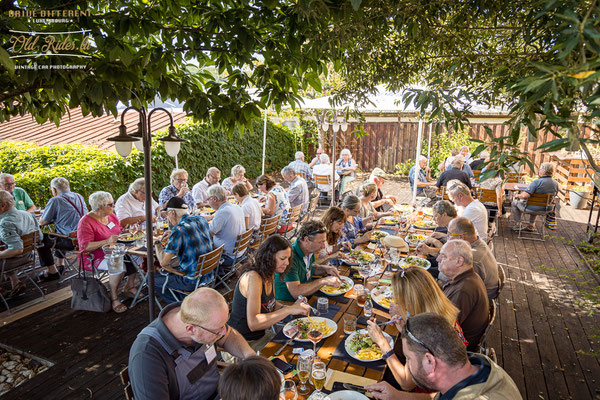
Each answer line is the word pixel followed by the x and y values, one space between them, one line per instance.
pixel 89 294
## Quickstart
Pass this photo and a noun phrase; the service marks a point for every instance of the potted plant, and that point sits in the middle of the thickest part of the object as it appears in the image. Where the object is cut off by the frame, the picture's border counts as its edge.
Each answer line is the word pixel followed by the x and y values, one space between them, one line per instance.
pixel 578 196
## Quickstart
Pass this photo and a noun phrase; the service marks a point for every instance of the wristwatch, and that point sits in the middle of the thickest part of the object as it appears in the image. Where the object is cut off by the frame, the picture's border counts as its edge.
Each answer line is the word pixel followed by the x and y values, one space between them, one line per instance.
pixel 388 354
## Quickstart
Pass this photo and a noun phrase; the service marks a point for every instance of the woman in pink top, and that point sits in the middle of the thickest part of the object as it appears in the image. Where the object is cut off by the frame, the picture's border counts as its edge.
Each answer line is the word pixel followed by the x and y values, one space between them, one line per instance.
pixel 98 228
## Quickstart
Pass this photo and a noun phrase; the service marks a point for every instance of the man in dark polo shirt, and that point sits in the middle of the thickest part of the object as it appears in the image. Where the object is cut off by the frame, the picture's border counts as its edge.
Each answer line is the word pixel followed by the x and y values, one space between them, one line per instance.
pixel 455 172
pixel 175 356
pixel 298 279
pixel 465 290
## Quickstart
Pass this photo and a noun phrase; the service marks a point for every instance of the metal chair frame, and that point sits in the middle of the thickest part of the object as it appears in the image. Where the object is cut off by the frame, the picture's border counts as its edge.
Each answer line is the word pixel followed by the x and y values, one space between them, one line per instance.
pixel 69 264
pixel 324 180
pixel 542 200
pixel 483 346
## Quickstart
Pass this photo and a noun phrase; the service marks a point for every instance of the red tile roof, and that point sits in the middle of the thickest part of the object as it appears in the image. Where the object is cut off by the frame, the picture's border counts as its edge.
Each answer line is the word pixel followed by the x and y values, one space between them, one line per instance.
pixel 79 129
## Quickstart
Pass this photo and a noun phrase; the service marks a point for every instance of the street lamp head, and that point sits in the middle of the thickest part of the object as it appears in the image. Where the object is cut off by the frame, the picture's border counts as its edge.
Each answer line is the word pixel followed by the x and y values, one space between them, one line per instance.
pixel 172 142
pixel 139 143
pixel 123 142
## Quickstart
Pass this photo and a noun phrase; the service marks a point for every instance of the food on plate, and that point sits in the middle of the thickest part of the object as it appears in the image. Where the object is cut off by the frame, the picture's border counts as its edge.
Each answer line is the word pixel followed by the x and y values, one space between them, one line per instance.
pixel 308 324
pixel 344 287
pixel 364 347
pixel 362 256
pixel 382 295
pixel 205 210
pixel 415 238
pixel 427 211
pixel 390 221
pixel 415 262
pixel 425 224
pixel 129 237
pixel 378 235
pixel 404 208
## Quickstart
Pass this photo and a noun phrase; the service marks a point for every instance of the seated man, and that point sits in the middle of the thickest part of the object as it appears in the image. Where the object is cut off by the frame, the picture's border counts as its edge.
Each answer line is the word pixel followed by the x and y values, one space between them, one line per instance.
pixel 484 262
pixel 175 356
pixel 424 183
pixel 465 167
pixel 325 168
pixel 178 188
pixel 14 224
pixel 22 200
pixel 298 192
pixel 381 203
pixel 130 207
pixel 64 210
pixel 437 361
pixel 465 290
pixel 227 223
pixel 189 238
pixel 300 166
pixel 200 189
pixel 455 172
pixel 298 279
pixel 477 164
pixel 250 379
pixel 316 160
pixel 472 209
pixel 542 185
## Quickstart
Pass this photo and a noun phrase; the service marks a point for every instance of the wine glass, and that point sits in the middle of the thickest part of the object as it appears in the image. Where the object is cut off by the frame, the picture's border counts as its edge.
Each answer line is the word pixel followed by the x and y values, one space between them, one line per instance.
pixel 288 390
pixel 364 271
pixel 319 374
pixel 303 367
pixel 315 334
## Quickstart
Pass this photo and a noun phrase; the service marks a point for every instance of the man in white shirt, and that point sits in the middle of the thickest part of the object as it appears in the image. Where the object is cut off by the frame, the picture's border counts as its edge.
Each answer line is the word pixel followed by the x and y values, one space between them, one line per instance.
pixel 324 168
pixel 315 160
pixel 227 223
pixel 200 189
pixel 130 207
pixel 472 209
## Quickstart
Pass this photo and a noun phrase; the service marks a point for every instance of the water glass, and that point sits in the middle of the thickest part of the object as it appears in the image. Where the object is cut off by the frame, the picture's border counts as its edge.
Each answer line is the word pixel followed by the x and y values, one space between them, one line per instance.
pixel 349 324
pixel 322 305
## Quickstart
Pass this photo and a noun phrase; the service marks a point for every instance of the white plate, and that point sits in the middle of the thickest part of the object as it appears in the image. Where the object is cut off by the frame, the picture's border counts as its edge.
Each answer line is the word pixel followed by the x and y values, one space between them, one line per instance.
pixel 411 238
pixel 330 324
pixel 385 293
pixel 353 353
pixel 347 395
pixel 337 291
pixel 382 233
pixel 404 264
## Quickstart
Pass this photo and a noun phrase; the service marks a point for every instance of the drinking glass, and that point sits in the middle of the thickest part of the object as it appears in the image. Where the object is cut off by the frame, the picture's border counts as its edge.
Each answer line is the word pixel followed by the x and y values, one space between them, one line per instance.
pixel 322 305
pixel 303 367
pixel 349 324
pixel 364 271
pixel 361 295
pixel 288 390
pixel 315 335
pixel 319 374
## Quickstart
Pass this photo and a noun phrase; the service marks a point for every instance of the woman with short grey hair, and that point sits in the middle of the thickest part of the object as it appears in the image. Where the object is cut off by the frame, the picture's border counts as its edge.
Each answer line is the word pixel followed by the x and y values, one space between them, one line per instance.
pixel 237 176
pixel 346 169
pixel 98 228
pixel 354 225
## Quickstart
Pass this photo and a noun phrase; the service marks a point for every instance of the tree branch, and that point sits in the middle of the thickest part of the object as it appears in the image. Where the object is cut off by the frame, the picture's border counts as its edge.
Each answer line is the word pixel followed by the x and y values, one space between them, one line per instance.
pixel 21 90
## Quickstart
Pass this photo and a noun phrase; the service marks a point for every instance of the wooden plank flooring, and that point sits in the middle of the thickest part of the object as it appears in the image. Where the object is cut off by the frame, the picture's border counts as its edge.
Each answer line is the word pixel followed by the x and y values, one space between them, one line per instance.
pixel 542 339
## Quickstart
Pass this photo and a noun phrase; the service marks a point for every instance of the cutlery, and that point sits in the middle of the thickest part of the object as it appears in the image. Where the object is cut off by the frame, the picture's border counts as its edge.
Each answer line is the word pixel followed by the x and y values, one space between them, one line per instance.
pixel 356 388
pixel 305 300
pixel 286 344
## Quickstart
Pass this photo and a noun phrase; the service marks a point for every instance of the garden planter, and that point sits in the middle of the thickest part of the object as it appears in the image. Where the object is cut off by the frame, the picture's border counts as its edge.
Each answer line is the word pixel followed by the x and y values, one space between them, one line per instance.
pixel 578 200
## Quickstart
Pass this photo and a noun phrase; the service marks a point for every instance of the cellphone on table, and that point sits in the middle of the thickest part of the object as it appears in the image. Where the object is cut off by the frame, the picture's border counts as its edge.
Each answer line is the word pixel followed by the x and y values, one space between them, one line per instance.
pixel 282 366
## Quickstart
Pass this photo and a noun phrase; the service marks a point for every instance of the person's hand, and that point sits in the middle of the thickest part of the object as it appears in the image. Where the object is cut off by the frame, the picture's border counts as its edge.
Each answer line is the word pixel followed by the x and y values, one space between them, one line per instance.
pixel 433 243
pixel 383 391
pixel 165 235
pixel 332 271
pixel 367 236
pixel 396 312
pixel 438 235
pixel 154 218
pixel 393 198
pixel 377 335
pixel 346 245
pixel 332 281
pixel 183 191
pixel 300 307
pixel 422 249
pixel 112 240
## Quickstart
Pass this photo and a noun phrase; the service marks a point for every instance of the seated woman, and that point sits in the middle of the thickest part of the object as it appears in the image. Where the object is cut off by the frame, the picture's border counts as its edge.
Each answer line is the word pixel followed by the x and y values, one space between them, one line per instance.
pixel 334 218
pixel 254 306
pixel 414 292
pixel 250 206
pixel 368 193
pixel 354 225
pixel 346 169
pixel 277 200
pixel 237 176
pixel 101 227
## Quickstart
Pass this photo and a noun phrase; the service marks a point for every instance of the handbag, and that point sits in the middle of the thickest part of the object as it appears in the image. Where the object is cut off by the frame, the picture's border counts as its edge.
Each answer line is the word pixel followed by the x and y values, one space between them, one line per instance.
pixel 89 293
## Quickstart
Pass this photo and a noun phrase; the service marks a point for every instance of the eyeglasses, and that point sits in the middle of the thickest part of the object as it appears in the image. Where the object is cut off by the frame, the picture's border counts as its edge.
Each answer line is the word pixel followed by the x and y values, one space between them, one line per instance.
pixel 316 232
pixel 9 184
pixel 110 205
pixel 181 180
pixel 457 234
pixel 415 339
pixel 213 332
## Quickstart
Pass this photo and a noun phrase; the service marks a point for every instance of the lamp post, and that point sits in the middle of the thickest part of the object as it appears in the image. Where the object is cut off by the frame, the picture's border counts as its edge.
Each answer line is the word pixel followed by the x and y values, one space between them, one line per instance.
pixel 123 145
pixel 335 126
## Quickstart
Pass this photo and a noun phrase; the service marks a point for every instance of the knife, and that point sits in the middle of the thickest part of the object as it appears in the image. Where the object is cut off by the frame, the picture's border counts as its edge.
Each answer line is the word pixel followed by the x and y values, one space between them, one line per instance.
pixel 356 388
pixel 286 344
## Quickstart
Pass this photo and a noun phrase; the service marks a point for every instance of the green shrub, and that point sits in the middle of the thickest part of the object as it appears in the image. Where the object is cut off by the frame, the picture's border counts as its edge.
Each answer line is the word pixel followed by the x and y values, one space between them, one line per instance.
pixel 402 169
pixel 89 169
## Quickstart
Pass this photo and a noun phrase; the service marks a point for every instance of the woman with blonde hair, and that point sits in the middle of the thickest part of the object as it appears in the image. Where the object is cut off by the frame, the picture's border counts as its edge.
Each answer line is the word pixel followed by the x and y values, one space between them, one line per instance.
pixel 334 219
pixel 368 193
pixel 414 291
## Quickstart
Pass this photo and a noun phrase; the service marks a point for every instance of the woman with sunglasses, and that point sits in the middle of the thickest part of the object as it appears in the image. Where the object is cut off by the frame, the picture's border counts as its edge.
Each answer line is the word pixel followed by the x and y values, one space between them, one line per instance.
pixel 414 291
pixel 254 307
pixel 98 228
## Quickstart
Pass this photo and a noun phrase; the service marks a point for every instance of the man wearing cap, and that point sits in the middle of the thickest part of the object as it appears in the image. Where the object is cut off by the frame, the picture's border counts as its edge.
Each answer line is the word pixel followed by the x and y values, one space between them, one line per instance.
pixel 381 203
pixel 189 238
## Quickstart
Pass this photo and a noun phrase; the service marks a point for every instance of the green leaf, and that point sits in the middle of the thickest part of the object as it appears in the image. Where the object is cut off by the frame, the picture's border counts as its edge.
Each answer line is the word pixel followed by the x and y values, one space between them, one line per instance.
pixel 355 4
pixel 6 61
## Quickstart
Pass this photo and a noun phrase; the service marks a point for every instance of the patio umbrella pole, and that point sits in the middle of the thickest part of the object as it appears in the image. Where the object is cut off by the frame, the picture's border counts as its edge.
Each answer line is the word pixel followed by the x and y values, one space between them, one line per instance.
pixel 429 144
pixel 147 140
pixel 417 167
pixel 333 167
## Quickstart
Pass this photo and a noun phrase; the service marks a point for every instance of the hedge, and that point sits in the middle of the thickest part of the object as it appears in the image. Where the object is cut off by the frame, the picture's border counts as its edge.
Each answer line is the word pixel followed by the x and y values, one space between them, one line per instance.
pixel 89 169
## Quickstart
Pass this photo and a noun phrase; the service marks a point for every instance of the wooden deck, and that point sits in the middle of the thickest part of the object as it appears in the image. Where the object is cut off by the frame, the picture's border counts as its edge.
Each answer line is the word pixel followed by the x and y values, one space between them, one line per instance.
pixel 542 338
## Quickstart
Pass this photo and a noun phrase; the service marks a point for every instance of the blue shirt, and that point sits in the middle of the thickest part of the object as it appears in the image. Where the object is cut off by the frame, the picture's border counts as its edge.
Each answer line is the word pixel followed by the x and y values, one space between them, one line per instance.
pixel 351 231
pixel 422 177
pixel 466 168
pixel 65 211
pixel 14 224
pixel 168 192
pixel 227 224
pixel 542 185
pixel 189 239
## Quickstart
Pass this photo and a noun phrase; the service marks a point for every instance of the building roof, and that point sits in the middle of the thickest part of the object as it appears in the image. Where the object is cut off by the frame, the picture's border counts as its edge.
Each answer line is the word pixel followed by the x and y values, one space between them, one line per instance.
pixel 75 128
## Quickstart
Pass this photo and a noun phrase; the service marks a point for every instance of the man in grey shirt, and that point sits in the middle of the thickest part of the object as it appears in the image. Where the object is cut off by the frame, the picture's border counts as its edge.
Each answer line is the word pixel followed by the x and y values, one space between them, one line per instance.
pixel 175 356
pixel 298 191
pixel 227 223
pixel 542 185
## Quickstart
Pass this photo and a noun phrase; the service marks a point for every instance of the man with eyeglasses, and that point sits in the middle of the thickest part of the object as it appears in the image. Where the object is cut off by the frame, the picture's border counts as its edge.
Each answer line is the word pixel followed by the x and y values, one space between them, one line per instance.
pixel 178 188
pixel 22 200
pixel 465 290
pixel 175 356
pixel 131 207
pixel 298 279
pixel 200 189
pixel 437 360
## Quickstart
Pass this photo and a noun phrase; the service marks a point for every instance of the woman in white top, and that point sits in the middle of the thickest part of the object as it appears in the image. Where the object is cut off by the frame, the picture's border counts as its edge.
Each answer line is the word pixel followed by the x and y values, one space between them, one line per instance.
pixel 249 205
pixel 346 169
pixel 237 176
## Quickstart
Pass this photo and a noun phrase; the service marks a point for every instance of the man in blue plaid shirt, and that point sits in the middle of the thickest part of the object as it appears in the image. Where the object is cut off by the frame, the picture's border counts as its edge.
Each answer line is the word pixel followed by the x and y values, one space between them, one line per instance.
pixel 189 238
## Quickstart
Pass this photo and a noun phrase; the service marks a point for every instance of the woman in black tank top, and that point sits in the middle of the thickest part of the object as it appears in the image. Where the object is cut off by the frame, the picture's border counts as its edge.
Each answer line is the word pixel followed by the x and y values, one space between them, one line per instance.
pixel 254 306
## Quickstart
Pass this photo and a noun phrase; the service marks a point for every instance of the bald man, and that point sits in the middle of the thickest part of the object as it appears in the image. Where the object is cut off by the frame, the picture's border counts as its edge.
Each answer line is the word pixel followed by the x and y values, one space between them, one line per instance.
pixel 175 356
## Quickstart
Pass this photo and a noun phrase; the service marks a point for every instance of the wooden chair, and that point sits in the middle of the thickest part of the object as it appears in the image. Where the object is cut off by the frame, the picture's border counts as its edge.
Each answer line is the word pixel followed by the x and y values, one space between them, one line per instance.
pixel 513 177
pixel 206 264
pixel 27 266
pixel 240 253
pixel 268 226
pixel 124 374
pixel 325 196
pixel 301 174
pixel 489 196
pixel 483 345
pixel 476 174
pixel 540 200
pixel 443 193
pixel 312 208
pixel 290 222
